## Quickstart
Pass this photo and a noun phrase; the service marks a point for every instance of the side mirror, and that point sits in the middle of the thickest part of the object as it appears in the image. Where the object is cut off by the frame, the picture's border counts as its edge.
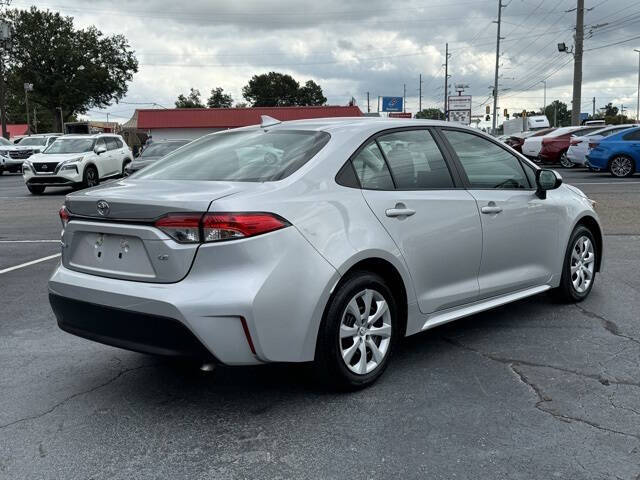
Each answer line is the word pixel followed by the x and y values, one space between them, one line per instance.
pixel 547 180
pixel 100 149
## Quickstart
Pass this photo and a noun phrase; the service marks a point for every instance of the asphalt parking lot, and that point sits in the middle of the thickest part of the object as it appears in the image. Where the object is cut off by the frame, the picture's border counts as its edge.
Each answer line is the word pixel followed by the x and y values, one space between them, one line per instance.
pixel 531 390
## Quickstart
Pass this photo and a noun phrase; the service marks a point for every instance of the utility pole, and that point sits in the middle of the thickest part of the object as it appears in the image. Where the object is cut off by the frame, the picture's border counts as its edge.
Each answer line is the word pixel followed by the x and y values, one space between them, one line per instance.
pixel 555 114
pixel 495 83
pixel 593 114
pixel 35 119
pixel 446 79
pixel 5 36
pixel 368 108
pixel 404 97
pixel 638 101
pixel 577 65
pixel 420 94
pixel 27 88
pixel 378 104
pixel 61 120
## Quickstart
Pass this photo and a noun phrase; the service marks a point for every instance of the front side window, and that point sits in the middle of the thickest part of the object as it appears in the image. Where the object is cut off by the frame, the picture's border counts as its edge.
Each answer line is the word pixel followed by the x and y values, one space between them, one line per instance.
pixel 71 145
pixel 161 149
pixel 415 160
pixel 240 156
pixel 371 169
pixel 486 164
pixel 635 135
pixel 111 143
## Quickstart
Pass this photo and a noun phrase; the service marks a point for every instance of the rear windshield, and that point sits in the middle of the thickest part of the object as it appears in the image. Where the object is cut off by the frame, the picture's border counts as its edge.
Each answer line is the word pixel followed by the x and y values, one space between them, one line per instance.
pixel 239 156
pixel 71 145
pixel 161 149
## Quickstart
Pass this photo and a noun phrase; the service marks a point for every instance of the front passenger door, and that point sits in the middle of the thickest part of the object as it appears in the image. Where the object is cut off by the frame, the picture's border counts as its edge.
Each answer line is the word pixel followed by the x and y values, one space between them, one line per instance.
pixel 435 223
pixel 520 231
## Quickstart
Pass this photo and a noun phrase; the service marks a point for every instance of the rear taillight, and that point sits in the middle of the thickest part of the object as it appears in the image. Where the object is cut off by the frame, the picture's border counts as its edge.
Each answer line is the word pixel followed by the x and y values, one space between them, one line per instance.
pixel 64 216
pixel 216 227
pixel 182 227
pixel 593 144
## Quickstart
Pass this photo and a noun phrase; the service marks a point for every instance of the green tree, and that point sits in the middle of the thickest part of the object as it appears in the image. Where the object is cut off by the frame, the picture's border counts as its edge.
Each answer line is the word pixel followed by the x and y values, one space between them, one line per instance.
pixel 190 101
pixel 241 105
pixel 219 99
pixel 558 110
pixel 431 114
pixel 311 94
pixel 610 110
pixel 271 89
pixel 75 69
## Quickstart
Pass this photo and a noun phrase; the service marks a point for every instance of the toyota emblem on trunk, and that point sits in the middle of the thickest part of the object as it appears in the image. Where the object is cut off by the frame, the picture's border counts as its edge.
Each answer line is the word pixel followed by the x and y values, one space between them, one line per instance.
pixel 103 208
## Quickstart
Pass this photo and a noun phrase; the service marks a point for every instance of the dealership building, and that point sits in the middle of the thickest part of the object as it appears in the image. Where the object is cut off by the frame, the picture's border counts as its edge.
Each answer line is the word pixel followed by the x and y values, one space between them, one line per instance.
pixel 191 123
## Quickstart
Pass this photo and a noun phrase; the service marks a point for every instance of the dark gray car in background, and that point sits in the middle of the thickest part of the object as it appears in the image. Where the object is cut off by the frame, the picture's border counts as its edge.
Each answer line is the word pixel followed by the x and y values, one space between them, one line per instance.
pixel 154 152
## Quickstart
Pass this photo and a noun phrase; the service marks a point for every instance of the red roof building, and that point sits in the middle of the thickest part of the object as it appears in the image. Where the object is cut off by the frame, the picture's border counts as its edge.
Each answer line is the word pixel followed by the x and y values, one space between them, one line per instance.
pixel 16 129
pixel 194 122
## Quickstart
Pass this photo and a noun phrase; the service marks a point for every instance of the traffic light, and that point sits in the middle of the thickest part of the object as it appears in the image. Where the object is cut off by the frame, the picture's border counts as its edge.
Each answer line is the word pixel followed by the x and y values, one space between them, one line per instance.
pixel 506 113
pixel 524 113
pixel 488 109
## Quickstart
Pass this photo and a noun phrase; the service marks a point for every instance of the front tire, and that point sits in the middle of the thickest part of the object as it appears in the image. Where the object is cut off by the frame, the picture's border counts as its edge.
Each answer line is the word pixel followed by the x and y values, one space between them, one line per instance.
pixel 621 166
pixel 565 162
pixel 90 177
pixel 35 189
pixel 357 333
pixel 579 268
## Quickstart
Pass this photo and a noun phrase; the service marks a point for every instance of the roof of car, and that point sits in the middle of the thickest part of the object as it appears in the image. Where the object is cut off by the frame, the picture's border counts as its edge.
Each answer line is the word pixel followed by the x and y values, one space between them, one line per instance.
pixel 336 123
pixel 90 135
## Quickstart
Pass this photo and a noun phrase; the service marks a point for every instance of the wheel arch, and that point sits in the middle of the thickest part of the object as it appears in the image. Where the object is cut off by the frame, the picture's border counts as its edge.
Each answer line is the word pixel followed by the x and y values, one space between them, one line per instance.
pixel 389 272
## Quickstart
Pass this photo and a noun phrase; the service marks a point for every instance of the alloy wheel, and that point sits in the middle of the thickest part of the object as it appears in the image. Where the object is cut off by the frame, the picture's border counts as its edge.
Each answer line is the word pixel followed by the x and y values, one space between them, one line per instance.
pixel 582 264
pixel 621 166
pixel 365 332
pixel 565 162
pixel 92 180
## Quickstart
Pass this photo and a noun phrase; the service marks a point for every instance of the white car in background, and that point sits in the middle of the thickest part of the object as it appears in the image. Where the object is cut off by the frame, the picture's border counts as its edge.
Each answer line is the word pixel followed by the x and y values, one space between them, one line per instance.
pixel 532 145
pixel 14 155
pixel 580 146
pixel 77 160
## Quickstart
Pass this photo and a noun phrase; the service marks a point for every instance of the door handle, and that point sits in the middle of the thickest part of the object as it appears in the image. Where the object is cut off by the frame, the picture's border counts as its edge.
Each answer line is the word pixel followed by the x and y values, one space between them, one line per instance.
pixel 491 207
pixel 400 210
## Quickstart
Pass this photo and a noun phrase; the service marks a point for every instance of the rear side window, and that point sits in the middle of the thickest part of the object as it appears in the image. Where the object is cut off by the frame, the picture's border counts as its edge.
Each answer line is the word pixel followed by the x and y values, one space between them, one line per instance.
pixel 371 169
pixel 486 164
pixel 118 142
pixel 635 135
pixel 111 143
pixel 240 156
pixel 415 160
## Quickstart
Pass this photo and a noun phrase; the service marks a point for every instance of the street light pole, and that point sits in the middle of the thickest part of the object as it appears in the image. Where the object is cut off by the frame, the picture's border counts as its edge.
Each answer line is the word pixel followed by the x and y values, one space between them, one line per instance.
pixel 544 105
pixel 27 88
pixel 638 101
pixel 495 83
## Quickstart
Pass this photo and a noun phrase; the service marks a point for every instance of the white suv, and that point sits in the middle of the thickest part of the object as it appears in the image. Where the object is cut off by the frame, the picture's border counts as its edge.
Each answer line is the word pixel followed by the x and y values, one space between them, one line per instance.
pixel 13 155
pixel 77 160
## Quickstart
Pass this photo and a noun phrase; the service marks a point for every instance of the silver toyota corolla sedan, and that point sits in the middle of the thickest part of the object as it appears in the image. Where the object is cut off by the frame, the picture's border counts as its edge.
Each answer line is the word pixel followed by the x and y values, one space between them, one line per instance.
pixel 321 240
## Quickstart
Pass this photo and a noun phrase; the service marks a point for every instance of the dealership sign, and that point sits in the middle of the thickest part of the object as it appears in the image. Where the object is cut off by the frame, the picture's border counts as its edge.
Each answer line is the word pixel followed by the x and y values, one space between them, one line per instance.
pixel 400 115
pixel 391 104
pixel 460 109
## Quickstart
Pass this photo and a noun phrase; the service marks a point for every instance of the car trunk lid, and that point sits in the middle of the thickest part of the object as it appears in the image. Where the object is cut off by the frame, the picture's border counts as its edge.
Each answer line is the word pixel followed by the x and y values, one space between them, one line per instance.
pixel 111 231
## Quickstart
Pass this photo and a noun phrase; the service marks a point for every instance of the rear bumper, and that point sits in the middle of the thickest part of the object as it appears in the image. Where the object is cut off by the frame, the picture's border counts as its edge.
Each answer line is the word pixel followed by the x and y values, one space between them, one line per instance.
pixel 126 329
pixel 247 302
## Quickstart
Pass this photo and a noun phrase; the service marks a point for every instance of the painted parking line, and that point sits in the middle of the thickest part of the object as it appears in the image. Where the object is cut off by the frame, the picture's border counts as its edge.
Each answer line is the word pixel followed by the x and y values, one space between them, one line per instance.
pixel 29 241
pixel 32 262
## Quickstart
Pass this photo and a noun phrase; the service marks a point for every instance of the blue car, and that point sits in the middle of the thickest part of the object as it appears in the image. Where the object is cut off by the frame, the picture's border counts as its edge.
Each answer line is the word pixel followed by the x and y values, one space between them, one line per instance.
pixel 619 153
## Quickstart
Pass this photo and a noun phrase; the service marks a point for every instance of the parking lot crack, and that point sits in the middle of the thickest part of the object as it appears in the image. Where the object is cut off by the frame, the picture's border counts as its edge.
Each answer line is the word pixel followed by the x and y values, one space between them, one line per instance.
pixel 607 324
pixel 71 397
pixel 513 365
pixel 508 361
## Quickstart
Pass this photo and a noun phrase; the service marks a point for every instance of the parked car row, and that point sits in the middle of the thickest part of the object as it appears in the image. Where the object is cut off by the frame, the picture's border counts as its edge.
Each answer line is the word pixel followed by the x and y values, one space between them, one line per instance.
pixel 614 148
pixel 76 160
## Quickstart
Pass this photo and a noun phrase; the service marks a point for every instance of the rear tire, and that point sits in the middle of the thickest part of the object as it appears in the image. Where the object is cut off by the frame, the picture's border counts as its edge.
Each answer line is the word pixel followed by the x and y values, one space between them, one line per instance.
pixel 579 267
pixel 621 166
pixel 36 189
pixel 124 167
pixel 90 177
pixel 350 328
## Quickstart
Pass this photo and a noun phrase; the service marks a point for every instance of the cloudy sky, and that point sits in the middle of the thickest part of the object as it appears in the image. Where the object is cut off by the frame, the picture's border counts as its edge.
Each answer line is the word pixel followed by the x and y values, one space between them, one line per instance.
pixel 354 47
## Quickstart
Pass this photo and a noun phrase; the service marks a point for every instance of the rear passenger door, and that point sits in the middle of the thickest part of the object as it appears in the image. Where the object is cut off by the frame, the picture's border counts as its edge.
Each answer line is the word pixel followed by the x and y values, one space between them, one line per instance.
pixel 520 231
pixel 112 156
pixel 432 219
